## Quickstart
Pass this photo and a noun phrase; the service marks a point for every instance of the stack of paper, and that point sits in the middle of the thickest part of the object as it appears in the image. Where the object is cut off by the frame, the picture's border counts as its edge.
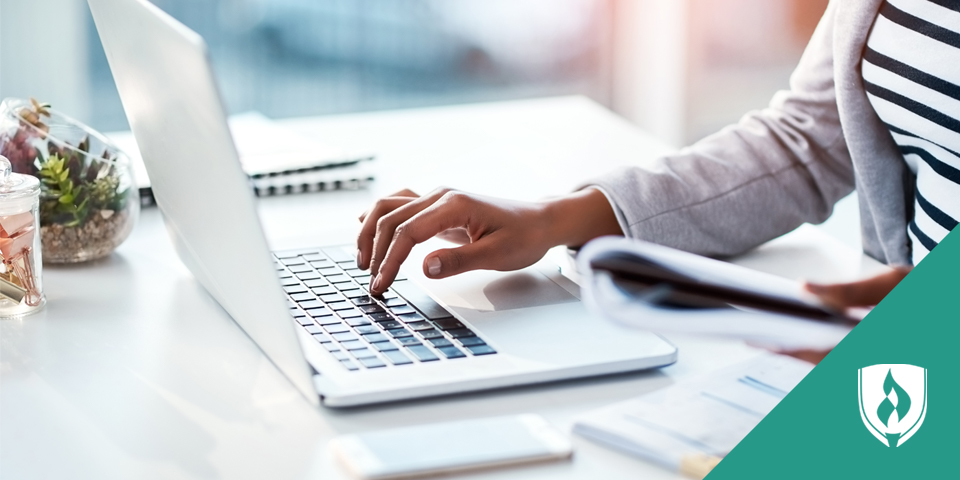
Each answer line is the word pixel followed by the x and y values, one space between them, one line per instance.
pixel 702 417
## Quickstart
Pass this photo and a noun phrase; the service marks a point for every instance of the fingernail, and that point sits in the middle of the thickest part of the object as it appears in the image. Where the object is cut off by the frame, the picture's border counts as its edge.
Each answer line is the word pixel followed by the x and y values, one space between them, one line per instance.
pixel 376 284
pixel 433 266
pixel 814 288
pixel 359 259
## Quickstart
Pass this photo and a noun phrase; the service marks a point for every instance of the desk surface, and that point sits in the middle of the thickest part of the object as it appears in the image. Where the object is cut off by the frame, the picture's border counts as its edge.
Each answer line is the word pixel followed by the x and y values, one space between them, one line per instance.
pixel 133 371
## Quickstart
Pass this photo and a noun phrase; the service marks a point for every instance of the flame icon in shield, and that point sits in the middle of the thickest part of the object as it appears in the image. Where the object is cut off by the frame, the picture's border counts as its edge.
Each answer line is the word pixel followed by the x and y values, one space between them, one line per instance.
pixel 893 401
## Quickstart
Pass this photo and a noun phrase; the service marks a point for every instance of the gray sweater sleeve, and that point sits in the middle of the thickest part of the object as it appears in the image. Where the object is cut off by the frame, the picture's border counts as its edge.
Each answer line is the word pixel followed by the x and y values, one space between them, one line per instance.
pixel 751 182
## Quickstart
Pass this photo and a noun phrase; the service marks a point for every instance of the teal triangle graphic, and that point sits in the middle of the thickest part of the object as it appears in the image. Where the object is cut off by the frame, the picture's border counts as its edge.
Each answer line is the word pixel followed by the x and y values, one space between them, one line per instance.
pixel 816 431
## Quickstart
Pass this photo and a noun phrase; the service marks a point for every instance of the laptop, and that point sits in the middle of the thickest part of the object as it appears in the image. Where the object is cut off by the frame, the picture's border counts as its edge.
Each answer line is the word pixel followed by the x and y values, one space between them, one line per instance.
pixel 308 309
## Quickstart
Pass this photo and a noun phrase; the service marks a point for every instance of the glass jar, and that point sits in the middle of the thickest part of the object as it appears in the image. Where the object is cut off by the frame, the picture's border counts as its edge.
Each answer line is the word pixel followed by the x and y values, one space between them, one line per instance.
pixel 21 287
pixel 89 201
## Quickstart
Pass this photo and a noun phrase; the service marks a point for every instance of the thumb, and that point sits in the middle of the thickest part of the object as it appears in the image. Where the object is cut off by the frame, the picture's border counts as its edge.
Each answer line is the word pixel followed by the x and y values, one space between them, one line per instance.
pixel 865 292
pixel 452 261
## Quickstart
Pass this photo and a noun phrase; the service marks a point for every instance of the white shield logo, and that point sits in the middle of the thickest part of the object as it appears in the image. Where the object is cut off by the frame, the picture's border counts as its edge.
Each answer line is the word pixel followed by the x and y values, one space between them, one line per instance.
pixel 893 401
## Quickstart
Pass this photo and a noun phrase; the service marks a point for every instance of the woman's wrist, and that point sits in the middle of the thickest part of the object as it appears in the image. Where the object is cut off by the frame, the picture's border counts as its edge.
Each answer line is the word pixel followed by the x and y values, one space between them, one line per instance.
pixel 579 217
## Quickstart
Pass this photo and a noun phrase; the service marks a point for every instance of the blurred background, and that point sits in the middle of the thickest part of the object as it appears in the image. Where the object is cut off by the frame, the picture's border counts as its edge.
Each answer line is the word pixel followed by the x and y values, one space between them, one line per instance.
pixel 678 68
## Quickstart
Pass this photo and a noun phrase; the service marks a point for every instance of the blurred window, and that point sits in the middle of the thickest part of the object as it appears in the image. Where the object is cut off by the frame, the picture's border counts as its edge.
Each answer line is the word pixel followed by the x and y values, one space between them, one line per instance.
pixel 307 57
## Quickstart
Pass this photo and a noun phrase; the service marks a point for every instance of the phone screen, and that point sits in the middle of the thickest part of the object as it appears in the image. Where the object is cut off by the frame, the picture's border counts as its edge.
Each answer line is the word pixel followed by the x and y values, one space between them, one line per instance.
pixel 451 446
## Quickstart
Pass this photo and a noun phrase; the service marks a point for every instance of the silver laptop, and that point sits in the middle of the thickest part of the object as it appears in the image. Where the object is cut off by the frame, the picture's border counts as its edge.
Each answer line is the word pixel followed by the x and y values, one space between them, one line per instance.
pixel 308 309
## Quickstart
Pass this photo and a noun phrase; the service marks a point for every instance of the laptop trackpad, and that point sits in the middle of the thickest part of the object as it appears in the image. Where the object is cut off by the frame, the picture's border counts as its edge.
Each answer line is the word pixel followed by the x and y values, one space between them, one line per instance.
pixel 487 291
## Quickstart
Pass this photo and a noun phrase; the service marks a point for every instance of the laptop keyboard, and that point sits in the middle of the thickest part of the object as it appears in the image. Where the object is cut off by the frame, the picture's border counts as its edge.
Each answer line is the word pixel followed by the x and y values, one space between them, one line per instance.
pixel 327 295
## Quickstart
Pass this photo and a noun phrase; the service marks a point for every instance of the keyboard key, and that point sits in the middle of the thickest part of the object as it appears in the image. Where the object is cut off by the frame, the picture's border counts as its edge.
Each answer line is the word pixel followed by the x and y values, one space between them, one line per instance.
pixel 451 352
pixel 384 346
pixel 420 326
pixel 461 332
pixel 295 252
pixel 304 321
pixel 428 334
pixel 324 290
pixel 349 365
pixel 329 270
pixel 336 328
pixel 372 362
pixel 340 355
pixel 308 276
pixel 338 255
pixel 408 341
pixel 322 338
pixel 289 281
pixel 291 261
pixel 367 329
pixel 328 320
pixel 320 311
pixel 316 257
pixel 296 288
pixel 334 297
pixel 364 280
pixel 316 282
pixel 354 272
pixel 390 325
pixel 353 345
pixel 376 337
pixel 313 329
pixel 471 341
pixel 389 294
pixel 345 337
pixel 321 264
pixel 351 313
pixel 418 298
pixel 402 310
pixel 344 286
pixel 358 322
pixel 371 308
pixel 335 279
pixel 301 268
pixel 380 317
pixel 448 324
pixel 399 333
pixel 364 353
pixel 355 293
pixel 291 304
pixel 285 275
pixel 397 357
pixel 363 300
pixel 331 347
pixel 302 297
pixel 440 342
pixel 422 353
pixel 481 350
pixel 411 317
pixel 395 302
pixel 340 306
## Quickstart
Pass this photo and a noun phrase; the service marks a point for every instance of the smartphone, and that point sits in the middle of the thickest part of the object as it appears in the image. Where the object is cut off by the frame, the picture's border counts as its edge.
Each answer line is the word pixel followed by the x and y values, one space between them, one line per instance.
pixel 451 447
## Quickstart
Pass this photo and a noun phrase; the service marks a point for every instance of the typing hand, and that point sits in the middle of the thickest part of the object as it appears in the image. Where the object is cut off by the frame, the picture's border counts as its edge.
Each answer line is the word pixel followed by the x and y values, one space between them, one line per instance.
pixel 495 234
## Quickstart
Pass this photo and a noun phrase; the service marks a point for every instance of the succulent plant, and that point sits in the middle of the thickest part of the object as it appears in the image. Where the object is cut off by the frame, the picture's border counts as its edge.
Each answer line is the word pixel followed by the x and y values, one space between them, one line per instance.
pixel 63 201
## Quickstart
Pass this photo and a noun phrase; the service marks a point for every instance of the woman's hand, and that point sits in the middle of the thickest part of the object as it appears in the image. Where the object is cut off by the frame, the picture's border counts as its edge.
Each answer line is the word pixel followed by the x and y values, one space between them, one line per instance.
pixel 843 296
pixel 496 234
pixel 861 293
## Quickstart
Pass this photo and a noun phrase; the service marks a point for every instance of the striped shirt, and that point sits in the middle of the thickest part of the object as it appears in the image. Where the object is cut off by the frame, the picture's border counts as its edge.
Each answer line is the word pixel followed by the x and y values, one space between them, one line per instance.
pixel 911 71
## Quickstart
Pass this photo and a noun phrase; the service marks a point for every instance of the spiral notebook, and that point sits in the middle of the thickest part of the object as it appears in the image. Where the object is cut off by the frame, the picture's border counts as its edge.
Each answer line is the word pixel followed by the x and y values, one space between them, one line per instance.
pixel 278 161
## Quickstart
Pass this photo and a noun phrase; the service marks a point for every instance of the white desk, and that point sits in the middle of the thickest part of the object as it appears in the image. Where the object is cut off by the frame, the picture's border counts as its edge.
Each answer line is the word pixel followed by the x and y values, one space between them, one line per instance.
pixel 132 371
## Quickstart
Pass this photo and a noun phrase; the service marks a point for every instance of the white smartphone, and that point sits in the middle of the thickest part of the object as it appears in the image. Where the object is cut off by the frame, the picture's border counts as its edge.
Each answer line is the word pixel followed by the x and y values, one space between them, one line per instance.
pixel 451 446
